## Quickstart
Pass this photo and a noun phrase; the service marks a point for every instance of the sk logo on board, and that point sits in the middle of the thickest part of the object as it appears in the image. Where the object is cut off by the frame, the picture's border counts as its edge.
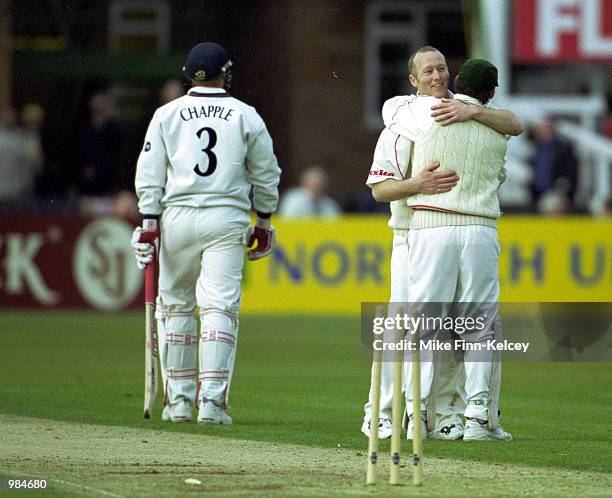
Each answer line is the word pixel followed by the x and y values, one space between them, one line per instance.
pixel 147 147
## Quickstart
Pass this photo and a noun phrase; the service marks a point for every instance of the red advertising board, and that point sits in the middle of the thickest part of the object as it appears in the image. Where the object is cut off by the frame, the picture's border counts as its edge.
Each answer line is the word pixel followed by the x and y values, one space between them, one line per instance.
pixel 68 262
pixel 557 31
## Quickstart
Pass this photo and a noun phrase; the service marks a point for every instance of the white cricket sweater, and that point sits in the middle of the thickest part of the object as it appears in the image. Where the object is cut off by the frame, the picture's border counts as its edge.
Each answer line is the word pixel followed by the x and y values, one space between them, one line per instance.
pixel 477 153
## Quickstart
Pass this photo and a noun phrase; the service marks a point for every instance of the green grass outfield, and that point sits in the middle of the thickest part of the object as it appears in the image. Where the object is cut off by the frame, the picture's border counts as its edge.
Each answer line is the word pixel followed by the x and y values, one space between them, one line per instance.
pixel 298 381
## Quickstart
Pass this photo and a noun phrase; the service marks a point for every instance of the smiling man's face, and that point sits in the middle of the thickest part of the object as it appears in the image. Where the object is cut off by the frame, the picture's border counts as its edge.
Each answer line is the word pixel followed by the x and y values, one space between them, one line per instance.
pixel 430 75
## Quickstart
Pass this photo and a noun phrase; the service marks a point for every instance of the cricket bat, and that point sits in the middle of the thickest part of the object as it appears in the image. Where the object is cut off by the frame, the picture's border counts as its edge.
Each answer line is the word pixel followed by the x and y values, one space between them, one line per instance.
pixel 150 330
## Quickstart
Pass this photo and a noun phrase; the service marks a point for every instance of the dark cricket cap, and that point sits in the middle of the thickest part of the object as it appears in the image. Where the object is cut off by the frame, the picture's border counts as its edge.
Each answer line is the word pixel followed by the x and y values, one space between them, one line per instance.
pixel 206 61
pixel 478 74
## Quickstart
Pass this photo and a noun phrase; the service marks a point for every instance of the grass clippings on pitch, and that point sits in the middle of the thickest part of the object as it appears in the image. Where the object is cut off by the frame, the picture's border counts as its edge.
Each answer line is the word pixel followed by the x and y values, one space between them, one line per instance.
pixel 96 460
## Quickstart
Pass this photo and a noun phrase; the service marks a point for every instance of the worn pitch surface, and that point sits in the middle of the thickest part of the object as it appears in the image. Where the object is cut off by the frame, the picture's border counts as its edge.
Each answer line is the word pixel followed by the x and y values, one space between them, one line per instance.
pixel 96 460
pixel 71 412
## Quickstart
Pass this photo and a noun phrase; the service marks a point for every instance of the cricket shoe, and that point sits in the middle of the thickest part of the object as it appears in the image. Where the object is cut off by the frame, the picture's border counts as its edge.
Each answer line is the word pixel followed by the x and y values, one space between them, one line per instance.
pixel 450 432
pixel 478 430
pixel 177 412
pixel 384 428
pixel 210 413
pixel 408 424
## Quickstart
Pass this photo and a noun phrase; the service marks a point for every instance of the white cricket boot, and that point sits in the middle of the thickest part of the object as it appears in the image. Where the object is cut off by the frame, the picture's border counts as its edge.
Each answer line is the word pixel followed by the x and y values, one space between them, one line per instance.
pixel 409 426
pixel 478 430
pixel 450 432
pixel 384 428
pixel 178 412
pixel 211 413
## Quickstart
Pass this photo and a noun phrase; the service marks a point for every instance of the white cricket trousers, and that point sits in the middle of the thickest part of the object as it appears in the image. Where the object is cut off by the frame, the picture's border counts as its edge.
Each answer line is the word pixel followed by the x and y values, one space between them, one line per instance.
pixel 399 294
pixel 200 264
pixel 456 264
pixel 449 382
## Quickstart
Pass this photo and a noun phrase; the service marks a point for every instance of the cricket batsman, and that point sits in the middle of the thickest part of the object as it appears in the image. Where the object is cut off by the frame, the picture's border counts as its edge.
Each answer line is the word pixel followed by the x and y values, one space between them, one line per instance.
pixel 204 156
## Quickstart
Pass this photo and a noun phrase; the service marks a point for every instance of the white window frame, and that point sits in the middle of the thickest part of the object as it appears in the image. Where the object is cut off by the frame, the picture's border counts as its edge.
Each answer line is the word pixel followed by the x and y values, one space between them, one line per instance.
pixel 378 32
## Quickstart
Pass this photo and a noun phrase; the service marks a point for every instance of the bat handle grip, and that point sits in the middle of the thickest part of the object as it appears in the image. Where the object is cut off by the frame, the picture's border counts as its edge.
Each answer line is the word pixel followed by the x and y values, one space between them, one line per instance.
pixel 150 225
pixel 150 281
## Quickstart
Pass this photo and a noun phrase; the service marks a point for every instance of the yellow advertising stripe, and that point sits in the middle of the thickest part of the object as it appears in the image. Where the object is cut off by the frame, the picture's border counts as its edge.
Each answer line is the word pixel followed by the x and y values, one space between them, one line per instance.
pixel 331 267
pixel 545 259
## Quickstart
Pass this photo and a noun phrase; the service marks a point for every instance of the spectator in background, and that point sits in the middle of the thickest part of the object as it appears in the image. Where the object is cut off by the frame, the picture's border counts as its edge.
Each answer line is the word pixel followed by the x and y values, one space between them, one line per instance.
pixel 32 119
pixel 19 164
pixel 123 205
pixel 555 165
pixel 172 89
pixel 310 198
pixel 98 149
pixel 553 203
pixel 54 178
pixel 364 202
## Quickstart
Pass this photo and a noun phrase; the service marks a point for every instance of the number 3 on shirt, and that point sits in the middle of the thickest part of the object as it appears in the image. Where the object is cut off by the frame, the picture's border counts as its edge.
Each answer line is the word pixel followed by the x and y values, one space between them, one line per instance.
pixel 212 159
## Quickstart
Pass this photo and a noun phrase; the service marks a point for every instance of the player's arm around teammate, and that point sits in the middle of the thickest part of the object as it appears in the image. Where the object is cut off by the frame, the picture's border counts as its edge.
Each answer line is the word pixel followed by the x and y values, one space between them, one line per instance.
pixel 449 111
pixel 428 182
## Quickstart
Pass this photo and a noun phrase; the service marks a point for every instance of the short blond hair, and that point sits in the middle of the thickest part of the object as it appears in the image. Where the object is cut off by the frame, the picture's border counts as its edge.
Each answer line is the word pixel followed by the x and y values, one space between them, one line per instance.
pixel 426 48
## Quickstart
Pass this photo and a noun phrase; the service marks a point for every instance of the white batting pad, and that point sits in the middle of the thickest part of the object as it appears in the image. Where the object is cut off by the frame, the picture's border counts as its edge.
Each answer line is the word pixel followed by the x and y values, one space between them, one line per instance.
pixel 217 345
pixel 181 339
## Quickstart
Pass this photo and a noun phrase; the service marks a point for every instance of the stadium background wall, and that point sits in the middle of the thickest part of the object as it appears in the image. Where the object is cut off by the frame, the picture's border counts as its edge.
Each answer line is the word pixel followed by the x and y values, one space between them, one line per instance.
pixel 316 268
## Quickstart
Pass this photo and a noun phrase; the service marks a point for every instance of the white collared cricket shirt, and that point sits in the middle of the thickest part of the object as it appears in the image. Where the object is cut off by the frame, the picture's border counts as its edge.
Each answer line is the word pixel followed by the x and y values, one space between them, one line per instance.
pixel 207 149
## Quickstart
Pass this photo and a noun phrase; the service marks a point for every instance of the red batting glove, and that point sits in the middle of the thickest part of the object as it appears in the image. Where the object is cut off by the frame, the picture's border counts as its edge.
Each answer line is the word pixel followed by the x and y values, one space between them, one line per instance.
pixel 145 242
pixel 264 237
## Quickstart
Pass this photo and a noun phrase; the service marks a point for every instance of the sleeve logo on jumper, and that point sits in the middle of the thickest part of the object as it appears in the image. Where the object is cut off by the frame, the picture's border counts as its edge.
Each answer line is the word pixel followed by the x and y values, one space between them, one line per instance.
pixel 380 172
pixel 147 147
